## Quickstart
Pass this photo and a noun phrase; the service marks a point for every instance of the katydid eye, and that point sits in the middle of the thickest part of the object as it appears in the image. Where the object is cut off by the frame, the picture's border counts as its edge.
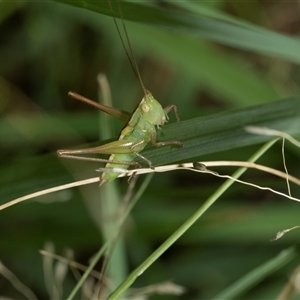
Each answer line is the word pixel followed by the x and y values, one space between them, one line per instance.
pixel 145 108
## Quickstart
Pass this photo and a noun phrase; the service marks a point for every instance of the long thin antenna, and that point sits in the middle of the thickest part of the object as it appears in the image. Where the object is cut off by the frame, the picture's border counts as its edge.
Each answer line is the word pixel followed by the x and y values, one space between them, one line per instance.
pixel 128 51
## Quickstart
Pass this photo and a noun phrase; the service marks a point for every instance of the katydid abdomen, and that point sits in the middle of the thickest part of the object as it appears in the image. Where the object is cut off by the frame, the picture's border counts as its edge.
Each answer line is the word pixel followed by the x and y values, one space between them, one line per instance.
pixel 134 137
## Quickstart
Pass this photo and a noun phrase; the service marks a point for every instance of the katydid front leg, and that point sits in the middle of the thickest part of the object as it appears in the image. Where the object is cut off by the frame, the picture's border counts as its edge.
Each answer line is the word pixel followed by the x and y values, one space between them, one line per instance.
pixel 169 108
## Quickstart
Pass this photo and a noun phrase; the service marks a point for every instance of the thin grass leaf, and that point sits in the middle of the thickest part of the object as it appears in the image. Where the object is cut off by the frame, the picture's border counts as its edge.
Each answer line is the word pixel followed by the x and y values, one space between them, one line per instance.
pixel 237 289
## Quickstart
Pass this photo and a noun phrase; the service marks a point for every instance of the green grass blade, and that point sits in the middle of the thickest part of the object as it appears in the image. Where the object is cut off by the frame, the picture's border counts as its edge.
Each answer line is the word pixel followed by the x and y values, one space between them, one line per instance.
pixel 185 226
pixel 254 39
pixel 225 131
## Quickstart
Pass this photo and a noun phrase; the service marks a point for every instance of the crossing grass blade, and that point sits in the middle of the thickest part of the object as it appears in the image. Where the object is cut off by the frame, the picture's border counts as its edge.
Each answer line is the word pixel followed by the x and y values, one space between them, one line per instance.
pixel 237 34
pixel 200 136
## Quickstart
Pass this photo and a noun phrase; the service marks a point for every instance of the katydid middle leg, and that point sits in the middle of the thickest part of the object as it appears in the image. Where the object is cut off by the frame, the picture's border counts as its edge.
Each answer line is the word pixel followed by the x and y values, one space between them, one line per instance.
pixel 165 143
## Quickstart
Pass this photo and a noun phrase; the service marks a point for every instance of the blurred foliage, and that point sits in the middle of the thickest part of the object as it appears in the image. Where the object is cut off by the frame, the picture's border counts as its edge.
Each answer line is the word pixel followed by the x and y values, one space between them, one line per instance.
pixel 188 55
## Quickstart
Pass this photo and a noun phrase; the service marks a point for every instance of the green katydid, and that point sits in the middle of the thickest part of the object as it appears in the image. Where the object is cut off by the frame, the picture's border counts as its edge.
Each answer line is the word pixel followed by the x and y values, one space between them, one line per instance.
pixel 139 130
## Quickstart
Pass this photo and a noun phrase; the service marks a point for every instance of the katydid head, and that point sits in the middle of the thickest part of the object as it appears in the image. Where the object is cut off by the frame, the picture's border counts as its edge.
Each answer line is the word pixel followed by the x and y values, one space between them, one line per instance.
pixel 152 111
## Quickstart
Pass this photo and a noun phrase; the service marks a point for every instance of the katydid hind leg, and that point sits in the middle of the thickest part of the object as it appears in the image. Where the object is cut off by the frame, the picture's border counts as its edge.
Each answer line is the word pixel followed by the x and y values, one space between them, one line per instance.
pixel 116 147
pixel 117 113
pixel 101 160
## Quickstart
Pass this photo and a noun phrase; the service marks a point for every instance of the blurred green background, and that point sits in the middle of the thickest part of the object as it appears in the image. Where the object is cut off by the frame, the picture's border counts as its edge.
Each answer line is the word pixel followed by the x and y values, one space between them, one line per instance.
pixel 49 48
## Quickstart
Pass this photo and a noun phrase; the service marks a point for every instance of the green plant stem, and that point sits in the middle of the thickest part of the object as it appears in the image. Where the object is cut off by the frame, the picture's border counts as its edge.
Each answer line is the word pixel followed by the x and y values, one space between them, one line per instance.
pixel 185 226
pixel 109 197
pixel 107 244
pixel 237 289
